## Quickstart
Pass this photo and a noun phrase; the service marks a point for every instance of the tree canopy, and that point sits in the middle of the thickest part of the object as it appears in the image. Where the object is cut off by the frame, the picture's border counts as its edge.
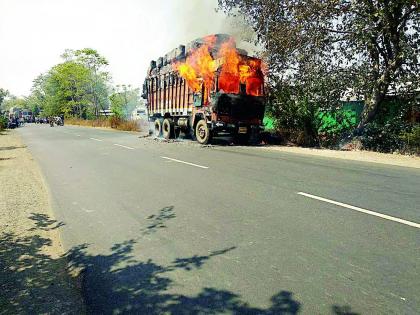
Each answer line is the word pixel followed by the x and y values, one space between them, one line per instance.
pixel 3 94
pixel 124 100
pixel 79 86
pixel 321 51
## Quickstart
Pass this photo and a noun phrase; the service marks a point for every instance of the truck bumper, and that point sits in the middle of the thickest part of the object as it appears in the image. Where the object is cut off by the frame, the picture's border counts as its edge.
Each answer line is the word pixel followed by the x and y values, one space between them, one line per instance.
pixel 222 128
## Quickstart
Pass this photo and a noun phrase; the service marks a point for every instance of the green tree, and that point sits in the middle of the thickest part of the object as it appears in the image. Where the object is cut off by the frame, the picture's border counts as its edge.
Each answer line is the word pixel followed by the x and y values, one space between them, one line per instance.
pixel 77 87
pixel 3 94
pixel 37 98
pixel 69 82
pixel 91 59
pixel 124 100
pixel 323 50
pixel 14 101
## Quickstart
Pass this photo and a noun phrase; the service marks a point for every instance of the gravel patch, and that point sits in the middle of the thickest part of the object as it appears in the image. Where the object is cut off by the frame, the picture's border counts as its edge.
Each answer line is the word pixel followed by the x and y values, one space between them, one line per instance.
pixel 33 274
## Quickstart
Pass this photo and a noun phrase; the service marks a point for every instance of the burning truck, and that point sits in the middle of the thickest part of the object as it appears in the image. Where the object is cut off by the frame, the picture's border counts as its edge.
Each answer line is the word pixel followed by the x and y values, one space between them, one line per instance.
pixel 207 88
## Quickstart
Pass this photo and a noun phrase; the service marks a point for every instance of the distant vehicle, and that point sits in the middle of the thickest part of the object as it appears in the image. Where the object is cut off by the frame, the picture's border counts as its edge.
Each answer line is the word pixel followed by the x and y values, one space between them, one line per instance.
pixel 58 121
pixel 26 115
pixel 12 123
pixel 15 112
pixel 139 112
pixel 206 89
pixel 106 112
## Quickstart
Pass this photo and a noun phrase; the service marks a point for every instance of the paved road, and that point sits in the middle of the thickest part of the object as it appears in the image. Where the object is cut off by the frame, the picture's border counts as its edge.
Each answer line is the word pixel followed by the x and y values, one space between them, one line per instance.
pixel 229 232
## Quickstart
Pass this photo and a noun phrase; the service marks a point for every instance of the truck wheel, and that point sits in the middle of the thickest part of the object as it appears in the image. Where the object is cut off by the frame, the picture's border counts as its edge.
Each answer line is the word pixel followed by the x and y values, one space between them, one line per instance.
pixel 158 127
pixel 202 132
pixel 168 128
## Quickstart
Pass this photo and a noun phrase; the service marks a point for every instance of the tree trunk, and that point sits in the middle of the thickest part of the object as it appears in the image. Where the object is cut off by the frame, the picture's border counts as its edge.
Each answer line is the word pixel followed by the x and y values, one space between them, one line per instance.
pixel 379 91
pixel 375 98
pixel 370 109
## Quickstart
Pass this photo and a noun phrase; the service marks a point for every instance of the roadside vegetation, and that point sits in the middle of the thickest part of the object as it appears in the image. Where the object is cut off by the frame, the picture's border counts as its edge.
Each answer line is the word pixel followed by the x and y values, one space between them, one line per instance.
pixel 110 122
pixel 80 88
pixel 3 123
pixel 341 74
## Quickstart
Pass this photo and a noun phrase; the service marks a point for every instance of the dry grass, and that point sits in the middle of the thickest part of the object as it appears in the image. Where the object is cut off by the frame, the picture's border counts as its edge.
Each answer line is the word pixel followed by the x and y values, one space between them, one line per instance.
pixel 111 122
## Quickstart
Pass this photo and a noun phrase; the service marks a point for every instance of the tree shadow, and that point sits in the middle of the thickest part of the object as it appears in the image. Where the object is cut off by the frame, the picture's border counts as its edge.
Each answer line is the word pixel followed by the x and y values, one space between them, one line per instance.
pixel 158 221
pixel 111 283
pixel 43 222
pixel 141 287
pixel 343 310
pixel 31 280
pixel 7 158
pixel 12 148
pixel 197 261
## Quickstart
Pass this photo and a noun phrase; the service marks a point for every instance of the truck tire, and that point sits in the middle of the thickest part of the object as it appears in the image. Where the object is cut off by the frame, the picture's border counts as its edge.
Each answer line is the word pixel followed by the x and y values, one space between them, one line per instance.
pixel 158 127
pixel 168 128
pixel 203 132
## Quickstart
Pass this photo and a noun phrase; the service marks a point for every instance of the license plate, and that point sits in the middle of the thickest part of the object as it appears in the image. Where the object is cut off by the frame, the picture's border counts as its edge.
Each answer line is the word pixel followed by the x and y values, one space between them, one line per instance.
pixel 242 130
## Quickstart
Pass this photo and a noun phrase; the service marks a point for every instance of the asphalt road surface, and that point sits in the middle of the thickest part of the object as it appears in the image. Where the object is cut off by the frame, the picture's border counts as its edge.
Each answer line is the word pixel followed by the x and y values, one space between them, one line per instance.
pixel 184 229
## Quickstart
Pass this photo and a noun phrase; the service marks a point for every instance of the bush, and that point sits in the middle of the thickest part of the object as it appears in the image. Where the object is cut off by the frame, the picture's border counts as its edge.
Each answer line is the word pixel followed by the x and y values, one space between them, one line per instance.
pixel 292 111
pixel 412 140
pixel 3 122
pixel 391 130
pixel 385 137
pixel 334 125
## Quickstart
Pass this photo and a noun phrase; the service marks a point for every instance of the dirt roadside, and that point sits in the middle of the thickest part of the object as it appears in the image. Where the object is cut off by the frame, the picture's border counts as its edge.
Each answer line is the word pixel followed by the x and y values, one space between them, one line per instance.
pixel 33 274
pixel 363 156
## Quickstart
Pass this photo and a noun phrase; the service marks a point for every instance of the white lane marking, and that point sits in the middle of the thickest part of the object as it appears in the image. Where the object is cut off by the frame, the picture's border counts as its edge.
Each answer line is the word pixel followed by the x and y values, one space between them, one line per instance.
pixel 376 214
pixel 123 146
pixel 95 139
pixel 179 161
pixel 77 135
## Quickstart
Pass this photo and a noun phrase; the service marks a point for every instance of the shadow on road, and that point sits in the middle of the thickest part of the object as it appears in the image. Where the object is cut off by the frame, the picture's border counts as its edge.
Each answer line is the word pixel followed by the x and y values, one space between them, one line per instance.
pixel 115 282
pixel 141 287
pixel 158 221
pixel 343 310
pixel 43 222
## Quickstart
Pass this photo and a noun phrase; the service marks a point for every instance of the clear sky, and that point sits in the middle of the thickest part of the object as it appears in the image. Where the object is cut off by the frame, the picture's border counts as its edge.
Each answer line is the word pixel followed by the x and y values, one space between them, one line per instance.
pixel 129 33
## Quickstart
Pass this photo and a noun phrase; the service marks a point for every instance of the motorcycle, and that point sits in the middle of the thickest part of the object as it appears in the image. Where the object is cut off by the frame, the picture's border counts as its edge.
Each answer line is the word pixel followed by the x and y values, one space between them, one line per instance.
pixel 59 121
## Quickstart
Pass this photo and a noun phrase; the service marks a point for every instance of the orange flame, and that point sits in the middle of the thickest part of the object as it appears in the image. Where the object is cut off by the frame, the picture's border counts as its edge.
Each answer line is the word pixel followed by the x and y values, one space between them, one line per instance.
pixel 200 68
pixel 229 76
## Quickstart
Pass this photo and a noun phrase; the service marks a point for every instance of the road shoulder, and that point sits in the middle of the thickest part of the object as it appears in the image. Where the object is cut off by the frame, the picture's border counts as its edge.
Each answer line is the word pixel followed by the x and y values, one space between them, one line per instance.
pixel 362 156
pixel 33 267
